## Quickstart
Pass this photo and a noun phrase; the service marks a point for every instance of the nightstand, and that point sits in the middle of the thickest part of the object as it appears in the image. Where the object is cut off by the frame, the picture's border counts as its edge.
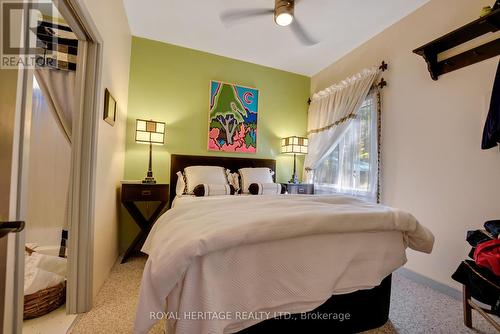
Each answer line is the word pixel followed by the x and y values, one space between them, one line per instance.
pixel 300 188
pixel 140 192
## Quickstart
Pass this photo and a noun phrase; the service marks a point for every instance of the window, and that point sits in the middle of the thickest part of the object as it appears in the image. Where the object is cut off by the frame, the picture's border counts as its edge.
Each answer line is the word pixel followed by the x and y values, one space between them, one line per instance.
pixel 352 166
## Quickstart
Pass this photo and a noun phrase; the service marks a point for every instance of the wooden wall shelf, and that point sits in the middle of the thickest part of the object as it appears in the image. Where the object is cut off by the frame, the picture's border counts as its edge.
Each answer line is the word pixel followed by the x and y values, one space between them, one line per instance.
pixel 479 27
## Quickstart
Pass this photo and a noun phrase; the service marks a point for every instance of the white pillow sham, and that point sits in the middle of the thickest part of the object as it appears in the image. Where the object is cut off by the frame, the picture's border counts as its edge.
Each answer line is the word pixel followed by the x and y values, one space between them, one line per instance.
pixel 254 175
pixel 196 175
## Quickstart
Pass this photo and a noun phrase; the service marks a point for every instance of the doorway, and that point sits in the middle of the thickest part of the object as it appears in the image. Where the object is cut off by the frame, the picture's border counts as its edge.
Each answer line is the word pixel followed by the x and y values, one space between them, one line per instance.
pixel 46 230
pixel 15 165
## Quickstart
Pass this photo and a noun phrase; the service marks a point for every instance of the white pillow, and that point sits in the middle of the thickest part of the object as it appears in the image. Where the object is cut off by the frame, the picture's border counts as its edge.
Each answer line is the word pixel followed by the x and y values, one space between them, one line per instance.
pixel 255 175
pixel 180 188
pixel 196 175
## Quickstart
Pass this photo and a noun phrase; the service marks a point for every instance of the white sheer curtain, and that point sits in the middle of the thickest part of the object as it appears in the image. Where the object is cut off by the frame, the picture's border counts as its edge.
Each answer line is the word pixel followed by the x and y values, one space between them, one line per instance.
pixel 352 167
pixel 58 87
pixel 330 114
pixel 49 171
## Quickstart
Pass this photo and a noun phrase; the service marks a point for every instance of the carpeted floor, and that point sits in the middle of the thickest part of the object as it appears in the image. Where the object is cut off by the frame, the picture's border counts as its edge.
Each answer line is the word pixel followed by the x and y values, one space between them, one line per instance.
pixel 414 308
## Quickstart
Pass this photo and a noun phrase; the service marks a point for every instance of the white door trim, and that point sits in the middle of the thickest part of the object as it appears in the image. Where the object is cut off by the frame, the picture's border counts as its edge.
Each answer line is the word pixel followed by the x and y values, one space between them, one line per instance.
pixel 82 194
pixel 26 86
pixel 84 154
pixel 18 190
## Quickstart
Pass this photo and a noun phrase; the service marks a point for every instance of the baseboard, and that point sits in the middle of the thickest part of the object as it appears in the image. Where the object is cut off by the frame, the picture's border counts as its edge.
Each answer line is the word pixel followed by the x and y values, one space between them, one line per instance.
pixel 73 324
pixel 435 285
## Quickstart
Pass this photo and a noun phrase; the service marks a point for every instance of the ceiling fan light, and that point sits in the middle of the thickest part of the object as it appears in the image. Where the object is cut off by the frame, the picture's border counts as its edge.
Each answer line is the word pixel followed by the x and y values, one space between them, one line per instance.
pixel 283 12
pixel 283 19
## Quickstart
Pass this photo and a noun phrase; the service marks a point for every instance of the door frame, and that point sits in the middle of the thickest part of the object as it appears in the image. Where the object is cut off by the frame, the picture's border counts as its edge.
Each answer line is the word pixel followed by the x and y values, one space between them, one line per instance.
pixel 84 154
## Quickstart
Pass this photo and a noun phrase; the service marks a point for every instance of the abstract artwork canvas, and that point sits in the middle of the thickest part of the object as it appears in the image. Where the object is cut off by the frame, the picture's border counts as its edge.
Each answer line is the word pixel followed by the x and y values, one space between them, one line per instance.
pixel 232 118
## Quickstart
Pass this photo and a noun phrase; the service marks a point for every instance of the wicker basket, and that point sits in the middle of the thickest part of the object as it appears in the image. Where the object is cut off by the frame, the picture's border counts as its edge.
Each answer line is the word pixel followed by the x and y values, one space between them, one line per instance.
pixel 44 301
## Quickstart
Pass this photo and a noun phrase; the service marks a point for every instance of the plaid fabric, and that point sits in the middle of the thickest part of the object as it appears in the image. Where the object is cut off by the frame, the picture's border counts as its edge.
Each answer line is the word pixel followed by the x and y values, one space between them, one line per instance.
pixel 57 46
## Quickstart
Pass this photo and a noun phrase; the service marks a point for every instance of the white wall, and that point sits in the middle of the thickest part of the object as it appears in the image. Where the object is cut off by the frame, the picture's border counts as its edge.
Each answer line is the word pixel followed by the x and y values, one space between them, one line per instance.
pixel 432 164
pixel 111 21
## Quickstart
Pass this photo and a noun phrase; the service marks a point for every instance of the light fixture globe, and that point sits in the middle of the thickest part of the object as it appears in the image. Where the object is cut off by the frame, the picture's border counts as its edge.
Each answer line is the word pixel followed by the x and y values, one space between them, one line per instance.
pixel 283 12
pixel 283 19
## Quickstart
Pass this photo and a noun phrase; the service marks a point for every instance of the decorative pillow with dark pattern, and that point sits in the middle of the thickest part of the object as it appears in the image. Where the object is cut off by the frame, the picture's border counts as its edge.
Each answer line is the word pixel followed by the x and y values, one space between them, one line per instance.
pixel 234 180
pixel 202 190
pixel 267 188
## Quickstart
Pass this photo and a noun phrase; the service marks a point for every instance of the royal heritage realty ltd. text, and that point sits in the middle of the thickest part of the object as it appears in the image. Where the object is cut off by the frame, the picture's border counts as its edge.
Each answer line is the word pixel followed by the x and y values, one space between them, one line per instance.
pixel 245 316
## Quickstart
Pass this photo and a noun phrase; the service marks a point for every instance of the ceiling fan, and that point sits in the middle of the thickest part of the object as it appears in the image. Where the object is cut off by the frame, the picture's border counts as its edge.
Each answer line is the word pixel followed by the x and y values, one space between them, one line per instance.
pixel 283 13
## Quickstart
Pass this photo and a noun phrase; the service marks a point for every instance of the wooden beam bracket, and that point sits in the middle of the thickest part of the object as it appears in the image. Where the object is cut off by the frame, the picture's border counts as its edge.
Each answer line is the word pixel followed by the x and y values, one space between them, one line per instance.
pixel 486 24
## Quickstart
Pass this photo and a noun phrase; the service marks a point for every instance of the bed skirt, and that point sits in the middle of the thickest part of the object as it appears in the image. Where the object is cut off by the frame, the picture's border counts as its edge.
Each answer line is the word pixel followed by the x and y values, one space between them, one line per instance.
pixel 366 309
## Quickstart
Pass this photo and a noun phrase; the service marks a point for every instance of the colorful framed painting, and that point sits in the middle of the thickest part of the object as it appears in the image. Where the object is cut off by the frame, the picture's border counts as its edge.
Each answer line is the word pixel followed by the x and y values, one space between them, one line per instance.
pixel 233 118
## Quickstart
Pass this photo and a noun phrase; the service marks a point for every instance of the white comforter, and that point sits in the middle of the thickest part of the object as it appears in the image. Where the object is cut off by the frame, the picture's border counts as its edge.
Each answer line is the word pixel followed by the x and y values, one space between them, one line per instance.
pixel 187 234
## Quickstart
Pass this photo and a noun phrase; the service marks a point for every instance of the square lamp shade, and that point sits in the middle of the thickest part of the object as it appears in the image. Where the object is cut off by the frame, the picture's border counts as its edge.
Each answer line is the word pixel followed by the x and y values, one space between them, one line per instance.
pixel 149 132
pixel 294 145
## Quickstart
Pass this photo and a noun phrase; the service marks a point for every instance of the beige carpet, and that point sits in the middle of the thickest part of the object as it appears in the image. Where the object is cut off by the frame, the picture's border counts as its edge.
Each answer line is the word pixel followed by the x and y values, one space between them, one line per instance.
pixel 414 308
pixel 115 304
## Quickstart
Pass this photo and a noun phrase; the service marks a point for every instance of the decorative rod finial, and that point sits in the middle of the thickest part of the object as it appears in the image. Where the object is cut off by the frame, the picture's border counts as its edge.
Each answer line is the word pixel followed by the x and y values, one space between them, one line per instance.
pixel 383 66
pixel 382 83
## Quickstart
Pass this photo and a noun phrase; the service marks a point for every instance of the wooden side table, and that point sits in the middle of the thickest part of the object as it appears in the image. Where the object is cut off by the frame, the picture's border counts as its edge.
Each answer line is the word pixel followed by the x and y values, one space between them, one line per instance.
pixel 300 188
pixel 140 192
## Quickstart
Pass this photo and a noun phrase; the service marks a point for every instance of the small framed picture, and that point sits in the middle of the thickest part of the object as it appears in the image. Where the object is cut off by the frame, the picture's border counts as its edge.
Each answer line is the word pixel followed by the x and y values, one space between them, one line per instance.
pixel 109 108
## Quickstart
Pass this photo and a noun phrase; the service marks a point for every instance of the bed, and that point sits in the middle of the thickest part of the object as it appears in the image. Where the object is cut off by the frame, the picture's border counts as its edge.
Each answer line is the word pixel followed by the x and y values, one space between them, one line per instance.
pixel 263 264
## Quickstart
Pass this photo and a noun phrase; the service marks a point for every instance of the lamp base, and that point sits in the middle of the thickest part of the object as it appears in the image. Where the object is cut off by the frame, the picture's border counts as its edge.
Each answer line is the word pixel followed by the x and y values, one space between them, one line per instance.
pixel 149 180
pixel 294 179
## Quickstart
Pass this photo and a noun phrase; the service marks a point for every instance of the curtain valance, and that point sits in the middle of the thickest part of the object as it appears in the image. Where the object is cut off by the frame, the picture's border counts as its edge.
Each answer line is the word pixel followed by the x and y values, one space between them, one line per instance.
pixel 330 113
pixel 337 98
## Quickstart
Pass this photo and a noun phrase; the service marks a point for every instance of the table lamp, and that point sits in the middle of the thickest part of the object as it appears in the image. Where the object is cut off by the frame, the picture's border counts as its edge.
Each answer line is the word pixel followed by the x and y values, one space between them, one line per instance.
pixel 294 145
pixel 149 132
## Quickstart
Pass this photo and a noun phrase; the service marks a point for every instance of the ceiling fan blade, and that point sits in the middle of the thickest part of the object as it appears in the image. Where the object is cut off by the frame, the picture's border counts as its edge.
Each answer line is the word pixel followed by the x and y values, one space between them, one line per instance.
pixel 302 35
pixel 230 16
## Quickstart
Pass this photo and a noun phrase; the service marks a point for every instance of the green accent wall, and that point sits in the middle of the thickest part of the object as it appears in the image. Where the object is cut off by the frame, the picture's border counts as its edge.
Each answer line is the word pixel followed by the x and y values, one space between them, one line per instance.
pixel 171 84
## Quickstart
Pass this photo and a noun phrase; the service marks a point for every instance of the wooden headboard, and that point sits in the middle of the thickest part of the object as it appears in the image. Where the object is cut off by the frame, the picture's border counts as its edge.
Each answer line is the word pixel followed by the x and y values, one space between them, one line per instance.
pixel 178 162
